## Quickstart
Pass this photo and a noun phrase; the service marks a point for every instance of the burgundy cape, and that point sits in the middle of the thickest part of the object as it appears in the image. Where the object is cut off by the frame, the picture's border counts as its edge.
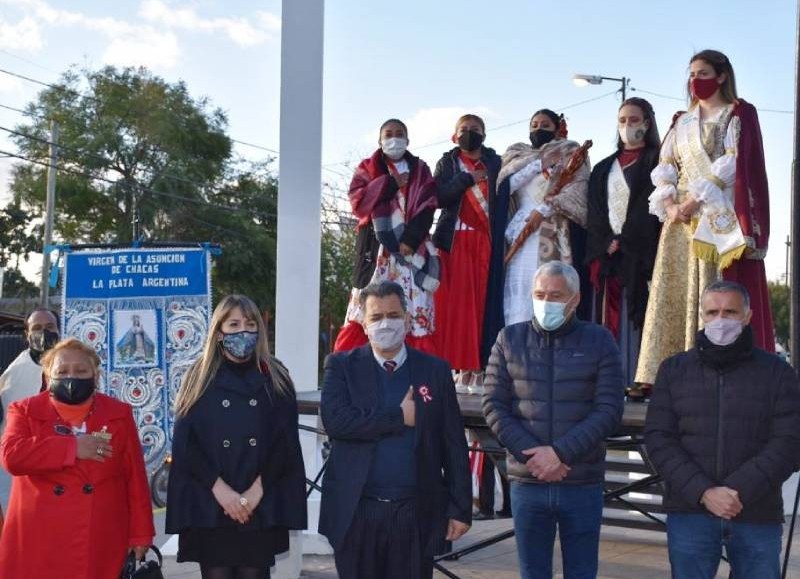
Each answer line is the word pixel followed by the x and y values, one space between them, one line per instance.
pixel 751 202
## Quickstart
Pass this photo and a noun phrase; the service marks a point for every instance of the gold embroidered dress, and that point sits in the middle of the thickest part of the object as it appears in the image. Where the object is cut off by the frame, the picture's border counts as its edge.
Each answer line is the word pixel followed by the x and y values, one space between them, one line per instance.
pixel 698 155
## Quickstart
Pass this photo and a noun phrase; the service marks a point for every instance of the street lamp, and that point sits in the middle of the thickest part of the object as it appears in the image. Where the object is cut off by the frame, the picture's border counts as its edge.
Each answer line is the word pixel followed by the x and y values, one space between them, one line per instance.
pixel 587 79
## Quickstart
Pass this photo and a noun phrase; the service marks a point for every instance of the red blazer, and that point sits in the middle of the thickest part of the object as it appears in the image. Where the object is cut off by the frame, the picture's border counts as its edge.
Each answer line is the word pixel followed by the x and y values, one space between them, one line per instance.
pixel 69 517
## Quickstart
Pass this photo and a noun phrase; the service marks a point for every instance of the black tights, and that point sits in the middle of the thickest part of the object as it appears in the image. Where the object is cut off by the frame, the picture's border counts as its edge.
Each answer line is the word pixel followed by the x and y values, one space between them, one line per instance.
pixel 208 572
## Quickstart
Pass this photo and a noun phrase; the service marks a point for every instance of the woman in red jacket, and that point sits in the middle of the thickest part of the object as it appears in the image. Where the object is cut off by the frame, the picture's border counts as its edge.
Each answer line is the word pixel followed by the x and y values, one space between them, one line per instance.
pixel 79 498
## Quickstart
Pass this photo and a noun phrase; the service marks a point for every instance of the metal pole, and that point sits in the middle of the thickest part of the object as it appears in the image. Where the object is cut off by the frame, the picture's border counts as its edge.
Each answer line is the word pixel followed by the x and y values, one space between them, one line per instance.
pixel 794 271
pixel 50 207
pixel 135 219
pixel 794 286
pixel 299 229
pixel 786 268
pixel 624 87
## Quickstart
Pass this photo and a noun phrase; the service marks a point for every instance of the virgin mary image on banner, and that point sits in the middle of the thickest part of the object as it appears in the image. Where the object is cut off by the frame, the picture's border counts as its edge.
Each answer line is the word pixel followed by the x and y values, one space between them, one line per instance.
pixel 136 347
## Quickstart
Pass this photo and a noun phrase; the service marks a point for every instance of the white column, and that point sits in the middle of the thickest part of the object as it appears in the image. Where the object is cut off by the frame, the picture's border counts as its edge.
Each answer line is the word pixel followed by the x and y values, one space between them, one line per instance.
pixel 299 200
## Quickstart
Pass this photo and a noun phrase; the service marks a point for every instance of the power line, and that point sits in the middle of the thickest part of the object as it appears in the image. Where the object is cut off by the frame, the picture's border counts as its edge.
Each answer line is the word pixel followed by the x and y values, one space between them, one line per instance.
pixel 16 110
pixel 683 100
pixel 39 82
pixel 37 65
pixel 90 97
pixel 134 184
pixel 189 215
pixel 245 143
pixel 505 126
pixel 107 163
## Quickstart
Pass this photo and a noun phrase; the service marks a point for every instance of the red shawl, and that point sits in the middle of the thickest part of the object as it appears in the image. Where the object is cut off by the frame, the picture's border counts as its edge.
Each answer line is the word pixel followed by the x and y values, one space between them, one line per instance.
pixel 370 195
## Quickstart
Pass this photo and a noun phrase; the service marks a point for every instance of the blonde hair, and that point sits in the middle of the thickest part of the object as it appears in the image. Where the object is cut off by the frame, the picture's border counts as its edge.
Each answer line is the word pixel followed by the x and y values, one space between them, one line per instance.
pixel 202 373
pixel 49 357
pixel 471 117
pixel 721 65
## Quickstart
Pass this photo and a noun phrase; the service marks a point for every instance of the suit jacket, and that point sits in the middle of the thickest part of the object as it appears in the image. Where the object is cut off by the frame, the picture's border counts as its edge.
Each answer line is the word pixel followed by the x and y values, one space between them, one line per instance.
pixel 355 422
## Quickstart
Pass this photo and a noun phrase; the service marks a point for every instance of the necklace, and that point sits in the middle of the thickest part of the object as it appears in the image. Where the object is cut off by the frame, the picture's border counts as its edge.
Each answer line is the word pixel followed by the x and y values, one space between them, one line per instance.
pixel 66 424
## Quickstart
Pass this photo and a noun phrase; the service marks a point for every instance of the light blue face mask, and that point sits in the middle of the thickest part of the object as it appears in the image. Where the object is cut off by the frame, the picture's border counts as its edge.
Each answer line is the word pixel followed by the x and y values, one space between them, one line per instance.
pixel 550 315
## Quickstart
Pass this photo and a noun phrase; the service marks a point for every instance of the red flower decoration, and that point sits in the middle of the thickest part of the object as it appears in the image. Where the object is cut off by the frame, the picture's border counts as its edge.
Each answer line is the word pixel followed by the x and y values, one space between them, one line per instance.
pixel 425 393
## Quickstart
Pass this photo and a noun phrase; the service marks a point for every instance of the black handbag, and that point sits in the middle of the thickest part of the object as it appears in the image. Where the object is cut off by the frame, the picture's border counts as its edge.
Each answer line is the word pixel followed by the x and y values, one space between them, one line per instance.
pixel 134 569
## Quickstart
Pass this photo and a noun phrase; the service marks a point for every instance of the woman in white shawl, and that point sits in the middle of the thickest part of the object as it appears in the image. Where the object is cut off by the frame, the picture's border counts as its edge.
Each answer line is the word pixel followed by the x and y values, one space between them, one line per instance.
pixel 559 219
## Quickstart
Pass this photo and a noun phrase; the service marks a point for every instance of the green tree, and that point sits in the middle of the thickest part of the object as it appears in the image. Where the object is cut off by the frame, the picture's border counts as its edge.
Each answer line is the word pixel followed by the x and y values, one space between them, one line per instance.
pixel 240 216
pixel 17 237
pixel 779 300
pixel 127 138
pixel 16 286
pixel 336 279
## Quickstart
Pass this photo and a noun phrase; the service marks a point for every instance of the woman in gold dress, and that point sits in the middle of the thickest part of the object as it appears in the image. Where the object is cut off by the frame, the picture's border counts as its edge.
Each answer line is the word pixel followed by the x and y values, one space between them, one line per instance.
pixel 711 193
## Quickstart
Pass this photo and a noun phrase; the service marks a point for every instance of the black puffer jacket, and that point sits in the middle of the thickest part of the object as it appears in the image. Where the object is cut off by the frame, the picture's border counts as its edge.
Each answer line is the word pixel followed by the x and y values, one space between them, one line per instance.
pixel 451 182
pixel 738 427
pixel 562 389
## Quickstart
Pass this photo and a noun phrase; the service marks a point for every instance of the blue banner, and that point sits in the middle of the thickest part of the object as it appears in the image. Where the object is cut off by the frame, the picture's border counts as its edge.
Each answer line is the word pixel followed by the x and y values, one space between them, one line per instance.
pixel 136 273
pixel 146 314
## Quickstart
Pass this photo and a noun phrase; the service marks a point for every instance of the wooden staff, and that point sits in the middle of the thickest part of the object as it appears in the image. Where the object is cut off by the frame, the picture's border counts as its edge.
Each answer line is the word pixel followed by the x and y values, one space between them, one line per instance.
pixel 576 160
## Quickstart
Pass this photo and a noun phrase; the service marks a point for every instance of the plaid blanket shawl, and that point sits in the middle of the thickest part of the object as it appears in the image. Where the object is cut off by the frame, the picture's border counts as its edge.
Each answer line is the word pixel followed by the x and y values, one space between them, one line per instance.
pixel 374 196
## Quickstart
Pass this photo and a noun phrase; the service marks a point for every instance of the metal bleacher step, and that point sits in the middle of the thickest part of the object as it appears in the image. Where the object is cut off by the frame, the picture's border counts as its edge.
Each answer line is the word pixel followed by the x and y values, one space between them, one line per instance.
pixel 618 463
pixel 631 520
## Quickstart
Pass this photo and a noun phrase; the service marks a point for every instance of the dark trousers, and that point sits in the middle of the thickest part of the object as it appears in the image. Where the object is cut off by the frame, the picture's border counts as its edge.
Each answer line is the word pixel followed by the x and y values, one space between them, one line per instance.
pixel 486 489
pixel 383 542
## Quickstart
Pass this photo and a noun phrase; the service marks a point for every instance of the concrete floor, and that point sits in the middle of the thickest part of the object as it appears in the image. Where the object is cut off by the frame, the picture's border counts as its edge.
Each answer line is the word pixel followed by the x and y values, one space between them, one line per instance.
pixel 624 554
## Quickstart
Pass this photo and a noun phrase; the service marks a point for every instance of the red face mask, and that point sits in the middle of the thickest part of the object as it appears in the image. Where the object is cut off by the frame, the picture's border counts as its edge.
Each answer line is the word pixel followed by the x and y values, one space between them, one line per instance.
pixel 704 88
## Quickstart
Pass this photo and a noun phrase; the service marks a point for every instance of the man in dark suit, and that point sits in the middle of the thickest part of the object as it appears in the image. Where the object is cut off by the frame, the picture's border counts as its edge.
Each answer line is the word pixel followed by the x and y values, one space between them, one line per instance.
pixel 397 482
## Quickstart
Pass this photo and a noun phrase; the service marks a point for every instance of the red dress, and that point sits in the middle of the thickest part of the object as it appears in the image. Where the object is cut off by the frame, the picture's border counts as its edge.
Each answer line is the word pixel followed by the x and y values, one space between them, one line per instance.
pixel 460 300
pixel 69 517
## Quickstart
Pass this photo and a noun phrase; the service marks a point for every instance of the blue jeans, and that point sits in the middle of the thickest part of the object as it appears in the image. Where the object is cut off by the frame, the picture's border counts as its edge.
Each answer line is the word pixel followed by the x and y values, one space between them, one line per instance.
pixel 695 543
pixel 576 510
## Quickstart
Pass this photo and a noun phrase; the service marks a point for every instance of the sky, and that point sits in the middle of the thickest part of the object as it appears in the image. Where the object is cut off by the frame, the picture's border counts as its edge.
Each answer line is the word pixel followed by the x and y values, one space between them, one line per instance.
pixel 426 62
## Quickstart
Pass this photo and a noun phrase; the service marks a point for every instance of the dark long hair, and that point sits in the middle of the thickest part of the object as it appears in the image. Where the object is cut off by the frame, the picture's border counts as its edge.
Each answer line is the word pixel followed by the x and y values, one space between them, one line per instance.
pixel 558 121
pixel 720 63
pixel 652 140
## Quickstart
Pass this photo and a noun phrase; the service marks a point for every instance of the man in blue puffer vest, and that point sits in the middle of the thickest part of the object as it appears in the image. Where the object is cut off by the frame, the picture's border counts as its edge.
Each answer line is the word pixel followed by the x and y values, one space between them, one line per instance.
pixel 554 393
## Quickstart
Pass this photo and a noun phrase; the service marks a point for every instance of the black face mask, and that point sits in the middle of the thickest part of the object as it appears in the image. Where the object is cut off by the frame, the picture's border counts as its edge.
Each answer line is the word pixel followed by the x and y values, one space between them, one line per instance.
pixel 541 137
pixel 42 340
pixel 470 140
pixel 71 390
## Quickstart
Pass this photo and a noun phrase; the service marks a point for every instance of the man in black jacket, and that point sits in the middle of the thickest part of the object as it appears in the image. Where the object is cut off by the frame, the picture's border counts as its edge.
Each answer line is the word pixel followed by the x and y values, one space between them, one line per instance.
pixel 554 393
pixel 723 430
pixel 397 482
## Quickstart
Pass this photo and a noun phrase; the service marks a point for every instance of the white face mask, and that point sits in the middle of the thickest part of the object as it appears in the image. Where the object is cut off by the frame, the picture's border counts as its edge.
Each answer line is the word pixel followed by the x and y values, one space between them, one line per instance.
pixel 723 331
pixel 394 148
pixel 632 134
pixel 387 334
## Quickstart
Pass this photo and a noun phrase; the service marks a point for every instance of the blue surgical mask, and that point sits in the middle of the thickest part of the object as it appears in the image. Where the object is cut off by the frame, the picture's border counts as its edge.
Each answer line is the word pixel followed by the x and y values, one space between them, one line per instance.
pixel 550 315
pixel 240 344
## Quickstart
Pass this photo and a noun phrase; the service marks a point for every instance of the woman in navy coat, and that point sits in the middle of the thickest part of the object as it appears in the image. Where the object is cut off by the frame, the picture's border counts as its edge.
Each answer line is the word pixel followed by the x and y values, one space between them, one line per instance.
pixel 237 482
